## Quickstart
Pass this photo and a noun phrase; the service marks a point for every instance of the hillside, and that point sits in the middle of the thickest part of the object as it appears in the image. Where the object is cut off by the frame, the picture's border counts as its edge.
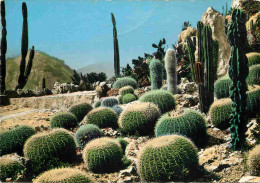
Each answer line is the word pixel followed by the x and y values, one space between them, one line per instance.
pixel 44 65
pixel 105 67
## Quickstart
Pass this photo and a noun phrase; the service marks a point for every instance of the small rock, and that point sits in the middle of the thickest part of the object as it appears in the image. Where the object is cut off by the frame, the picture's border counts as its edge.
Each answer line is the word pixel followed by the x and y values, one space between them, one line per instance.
pixel 248 178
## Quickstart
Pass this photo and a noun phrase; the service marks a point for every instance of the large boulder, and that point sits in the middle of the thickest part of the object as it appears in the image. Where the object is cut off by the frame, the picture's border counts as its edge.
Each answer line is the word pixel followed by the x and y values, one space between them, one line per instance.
pixel 217 23
pixel 189 32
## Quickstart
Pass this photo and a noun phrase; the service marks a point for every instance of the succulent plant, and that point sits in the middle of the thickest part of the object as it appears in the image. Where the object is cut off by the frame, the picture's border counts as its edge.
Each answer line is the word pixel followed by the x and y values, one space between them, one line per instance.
pixel 127 98
pixel 126 90
pixel 46 150
pixel 97 104
pixel 123 143
pixel 254 160
pixel 13 140
pixel 103 155
pixel 139 119
pixel 62 175
pixel 253 58
pixel 117 109
pixel 103 117
pixel 221 87
pixel 80 110
pixel 109 102
pixel 64 120
pixel 253 103
pixel 167 158
pixel 156 74
pixel 190 124
pixel 254 75
pixel 87 133
pixel 116 48
pixel 125 81
pixel 164 99
pixel 171 70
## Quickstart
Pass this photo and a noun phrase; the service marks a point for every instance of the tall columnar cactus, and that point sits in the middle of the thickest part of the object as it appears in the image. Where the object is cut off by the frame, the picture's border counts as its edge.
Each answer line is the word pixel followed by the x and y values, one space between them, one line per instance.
pixel 191 47
pixel 24 74
pixel 156 74
pixel 116 48
pixel 238 72
pixel 170 66
pixel 43 84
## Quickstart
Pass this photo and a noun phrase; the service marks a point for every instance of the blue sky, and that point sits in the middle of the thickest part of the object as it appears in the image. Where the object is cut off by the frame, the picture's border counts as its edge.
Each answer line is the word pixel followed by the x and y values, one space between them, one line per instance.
pixel 80 31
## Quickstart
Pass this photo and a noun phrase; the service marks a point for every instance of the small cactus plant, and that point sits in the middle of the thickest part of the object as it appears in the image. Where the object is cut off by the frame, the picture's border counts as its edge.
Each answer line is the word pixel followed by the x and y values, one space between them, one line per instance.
pixel 254 161
pixel 221 87
pixel 171 70
pixel 103 117
pixel 125 81
pixel 116 48
pixel 109 102
pixel 117 109
pixel 139 119
pixel 253 58
pixel 64 120
pixel 87 133
pixel 80 110
pixel 62 175
pixel 97 104
pixel 170 158
pixel 103 155
pixel 164 99
pixel 13 140
pixel 126 90
pixel 127 98
pixel 254 75
pixel 156 74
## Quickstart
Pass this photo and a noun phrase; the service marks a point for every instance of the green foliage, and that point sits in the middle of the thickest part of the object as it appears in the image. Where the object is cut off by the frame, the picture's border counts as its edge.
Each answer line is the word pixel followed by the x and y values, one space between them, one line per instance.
pixel 254 160
pixel 190 124
pixel 103 155
pixel 117 109
pixel 156 74
pixel 253 58
pixel 87 133
pixel 10 168
pixel 80 110
pixel 254 75
pixel 167 158
pixel 253 103
pixel 97 104
pixel 63 175
pixel 139 119
pixel 128 98
pixel 109 102
pixel 75 78
pixel 47 150
pixel 64 120
pixel 164 99
pixel 123 143
pixel 126 90
pixel 238 72
pixel 13 140
pixel 125 81
pixel 103 117
pixel 221 87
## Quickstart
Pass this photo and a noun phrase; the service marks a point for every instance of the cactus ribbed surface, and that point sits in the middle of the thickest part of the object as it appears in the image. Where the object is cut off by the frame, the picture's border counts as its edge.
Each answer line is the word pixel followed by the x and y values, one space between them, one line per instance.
pixel 156 74
pixel 253 58
pixel 254 75
pixel 103 155
pixel 167 158
pixel 125 81
pixel 80 110
pixel 238 72
pixel 190 124
pixel 116 48
pixel 171 70
pixel 126 90
pixel 109 102
pixel 64 120
pixel 221 87
pixel 127 98
pixel 117 109
pixel 191 47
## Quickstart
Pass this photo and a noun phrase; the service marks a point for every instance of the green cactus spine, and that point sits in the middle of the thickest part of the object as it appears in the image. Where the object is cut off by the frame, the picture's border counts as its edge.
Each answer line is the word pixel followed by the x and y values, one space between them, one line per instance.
pixel 156 74
pixel 238 72
pixel 191 47
pixel 24 73
pixel 116 48
pixel 170 66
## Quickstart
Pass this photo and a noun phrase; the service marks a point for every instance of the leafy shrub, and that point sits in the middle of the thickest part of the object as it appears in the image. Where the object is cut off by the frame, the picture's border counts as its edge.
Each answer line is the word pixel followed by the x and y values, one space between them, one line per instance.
pixel 170 158
pixel 10 168
pixel 254 161
pixel 109 102
pixel 254 75
pixel 253 58
pixel 64 120
pixel 86 133
pixel 127 98
pixel 117 109
pixel 103 155
pixel 103 117
pixel 13 140
pixel 123 143
pixel 47 150
pixel 139 119
pixel 97 104
pixel 125 81
pixel 80 110
pixel 190 124
pixel 126 90
pixel 63 175
pixel 221 87
pixel 164 99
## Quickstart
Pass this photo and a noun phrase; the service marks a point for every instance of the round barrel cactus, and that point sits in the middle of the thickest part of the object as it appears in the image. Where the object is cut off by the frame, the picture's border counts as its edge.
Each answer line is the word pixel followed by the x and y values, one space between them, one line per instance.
pixel 87 133
pixel 109 102
pixel 139 119
pixel 254 160
pixel 80 110
pixel 127 98
pixel 103 117
pixel 125 81
pixel 253 102
pixel 64 120
pixel 253 58
pixel 46 150
pixel 190 124
pixel 97 104
pixel 164 99
pixel 10 168
pixel 221 87
pixel 220 112
pixel 103 155
pixel 63 175
pixel 117 109
pixel 126 90
pixel 14 139
pixel 167 158
pixel 254 75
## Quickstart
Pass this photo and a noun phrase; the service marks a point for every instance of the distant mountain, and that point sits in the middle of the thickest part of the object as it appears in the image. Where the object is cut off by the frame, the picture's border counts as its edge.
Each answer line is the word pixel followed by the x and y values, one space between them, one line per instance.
pixel 44 65
pixel 105 67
